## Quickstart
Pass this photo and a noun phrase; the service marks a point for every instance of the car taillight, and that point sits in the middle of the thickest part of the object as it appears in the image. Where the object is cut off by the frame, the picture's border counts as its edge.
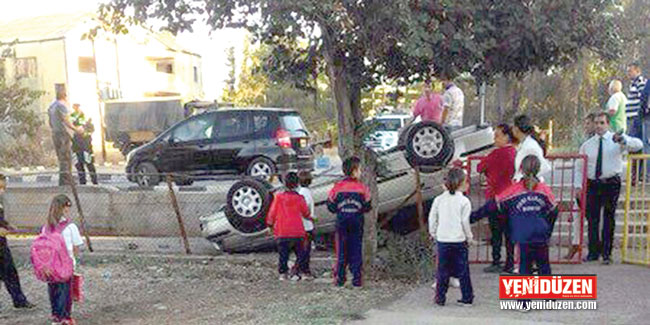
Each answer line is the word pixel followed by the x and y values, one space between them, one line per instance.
pixel 284 138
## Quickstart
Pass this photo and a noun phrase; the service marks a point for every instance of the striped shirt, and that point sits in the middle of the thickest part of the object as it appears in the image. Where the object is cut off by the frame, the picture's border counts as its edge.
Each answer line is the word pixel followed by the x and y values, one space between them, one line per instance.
pixel 634 97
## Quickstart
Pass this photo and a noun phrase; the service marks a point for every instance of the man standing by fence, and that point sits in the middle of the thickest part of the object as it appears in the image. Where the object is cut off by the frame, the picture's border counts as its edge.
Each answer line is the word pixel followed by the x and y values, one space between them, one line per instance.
pixel 604 166
pixel 62 130
pixel 82 145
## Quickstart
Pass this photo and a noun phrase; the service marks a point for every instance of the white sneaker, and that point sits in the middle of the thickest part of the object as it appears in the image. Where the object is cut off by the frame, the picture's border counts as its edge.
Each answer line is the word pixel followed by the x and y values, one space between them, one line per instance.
pixel 294 278
pixel 454 283
pixel 283 277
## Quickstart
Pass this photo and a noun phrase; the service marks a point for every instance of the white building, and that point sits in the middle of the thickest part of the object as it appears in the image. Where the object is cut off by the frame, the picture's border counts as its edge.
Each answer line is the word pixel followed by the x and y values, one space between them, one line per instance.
pixel 51 51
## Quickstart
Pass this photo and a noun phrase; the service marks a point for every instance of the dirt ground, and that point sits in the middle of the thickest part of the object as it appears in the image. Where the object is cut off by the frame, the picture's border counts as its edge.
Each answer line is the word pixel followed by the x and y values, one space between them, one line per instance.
pixel 223 289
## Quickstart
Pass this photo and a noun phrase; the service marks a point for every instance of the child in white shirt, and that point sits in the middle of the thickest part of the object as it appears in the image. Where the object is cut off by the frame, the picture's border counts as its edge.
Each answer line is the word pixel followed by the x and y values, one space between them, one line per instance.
pixel 305 182
pixel 60 293
pixel 449 227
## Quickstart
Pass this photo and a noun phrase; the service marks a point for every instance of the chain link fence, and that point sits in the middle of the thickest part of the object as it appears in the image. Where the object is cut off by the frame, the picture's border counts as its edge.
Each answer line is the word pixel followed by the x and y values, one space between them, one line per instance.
pixel 120 216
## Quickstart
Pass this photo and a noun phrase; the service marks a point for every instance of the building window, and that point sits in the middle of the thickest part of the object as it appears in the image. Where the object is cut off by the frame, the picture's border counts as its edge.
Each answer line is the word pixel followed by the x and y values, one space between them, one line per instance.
pixel 87 64
pixel 165 66
pixel 25 67
pixel 196 74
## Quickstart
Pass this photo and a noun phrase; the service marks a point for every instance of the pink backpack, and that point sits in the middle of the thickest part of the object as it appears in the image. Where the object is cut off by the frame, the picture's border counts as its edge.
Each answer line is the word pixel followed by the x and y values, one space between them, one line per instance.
pixel 50 257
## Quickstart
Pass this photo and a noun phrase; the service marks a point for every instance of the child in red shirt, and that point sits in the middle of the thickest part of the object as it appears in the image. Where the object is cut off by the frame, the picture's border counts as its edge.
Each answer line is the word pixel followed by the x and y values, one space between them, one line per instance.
pixel 499 167
pixel 285 221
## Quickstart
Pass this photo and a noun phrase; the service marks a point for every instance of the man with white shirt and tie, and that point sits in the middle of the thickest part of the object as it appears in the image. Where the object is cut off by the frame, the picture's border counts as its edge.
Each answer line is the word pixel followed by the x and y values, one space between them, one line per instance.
pixel 604 166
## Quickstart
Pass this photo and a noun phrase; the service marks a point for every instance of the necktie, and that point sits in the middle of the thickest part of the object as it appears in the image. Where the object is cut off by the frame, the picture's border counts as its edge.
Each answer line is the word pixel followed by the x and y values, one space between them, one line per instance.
pixel 599 159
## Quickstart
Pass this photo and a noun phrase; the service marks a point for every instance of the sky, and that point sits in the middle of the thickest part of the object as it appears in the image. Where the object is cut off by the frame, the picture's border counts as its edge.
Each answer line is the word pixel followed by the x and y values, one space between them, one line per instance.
pixel 211 47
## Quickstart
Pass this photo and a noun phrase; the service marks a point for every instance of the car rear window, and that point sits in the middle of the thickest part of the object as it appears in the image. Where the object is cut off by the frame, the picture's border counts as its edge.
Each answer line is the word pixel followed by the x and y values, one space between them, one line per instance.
pixel 292 122
pixel 388 124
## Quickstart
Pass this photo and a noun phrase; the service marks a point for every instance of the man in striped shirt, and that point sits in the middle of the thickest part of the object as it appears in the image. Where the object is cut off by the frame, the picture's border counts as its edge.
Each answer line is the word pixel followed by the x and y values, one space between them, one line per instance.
pixel 633 109
pixel 637 120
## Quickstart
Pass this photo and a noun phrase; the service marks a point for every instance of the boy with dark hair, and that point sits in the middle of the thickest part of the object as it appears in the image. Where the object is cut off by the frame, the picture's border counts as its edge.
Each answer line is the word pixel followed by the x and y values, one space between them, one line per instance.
pixel 8 272
pixel 350 200
pixel 285 221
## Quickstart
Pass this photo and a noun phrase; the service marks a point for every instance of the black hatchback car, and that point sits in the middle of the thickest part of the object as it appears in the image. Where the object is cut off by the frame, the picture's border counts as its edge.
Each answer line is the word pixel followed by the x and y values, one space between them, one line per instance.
pixel 258 142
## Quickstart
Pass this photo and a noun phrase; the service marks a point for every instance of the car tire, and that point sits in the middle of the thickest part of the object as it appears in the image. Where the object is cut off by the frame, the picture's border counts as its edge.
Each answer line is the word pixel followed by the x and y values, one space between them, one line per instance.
pixel 247 203
pixel 261 168
pixel 147 175
pixel 428 145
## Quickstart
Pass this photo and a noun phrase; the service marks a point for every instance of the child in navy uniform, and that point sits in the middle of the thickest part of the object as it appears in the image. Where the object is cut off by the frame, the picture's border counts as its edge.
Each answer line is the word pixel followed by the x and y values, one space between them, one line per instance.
pixel 531 211
pixel 449 227
pixel 350 200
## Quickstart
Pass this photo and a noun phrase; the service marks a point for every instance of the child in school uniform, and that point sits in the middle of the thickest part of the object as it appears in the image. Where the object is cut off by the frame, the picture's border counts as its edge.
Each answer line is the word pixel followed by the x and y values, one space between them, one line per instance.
pixel 449 227
pixel 350 199
pixel 285 221
pixel 531 210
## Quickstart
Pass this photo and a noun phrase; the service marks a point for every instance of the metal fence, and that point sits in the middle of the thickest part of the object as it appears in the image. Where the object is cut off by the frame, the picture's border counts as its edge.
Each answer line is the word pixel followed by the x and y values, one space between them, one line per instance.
pixel 119 215
pixel 636 225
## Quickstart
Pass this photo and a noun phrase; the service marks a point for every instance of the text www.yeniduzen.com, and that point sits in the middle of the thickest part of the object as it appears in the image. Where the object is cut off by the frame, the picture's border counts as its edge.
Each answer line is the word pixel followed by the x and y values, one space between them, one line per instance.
pixel 549 305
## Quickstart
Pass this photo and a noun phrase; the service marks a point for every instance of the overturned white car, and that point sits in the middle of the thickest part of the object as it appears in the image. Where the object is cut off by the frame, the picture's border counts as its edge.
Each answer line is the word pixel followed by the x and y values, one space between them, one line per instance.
pixel 239 225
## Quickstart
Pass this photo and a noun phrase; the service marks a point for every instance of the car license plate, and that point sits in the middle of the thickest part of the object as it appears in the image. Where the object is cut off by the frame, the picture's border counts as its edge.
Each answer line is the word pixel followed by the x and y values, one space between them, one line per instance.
pixel 303 142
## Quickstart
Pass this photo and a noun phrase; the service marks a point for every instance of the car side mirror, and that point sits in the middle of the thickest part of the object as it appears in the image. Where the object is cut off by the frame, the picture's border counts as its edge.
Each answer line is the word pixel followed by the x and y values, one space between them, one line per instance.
pixel 171 141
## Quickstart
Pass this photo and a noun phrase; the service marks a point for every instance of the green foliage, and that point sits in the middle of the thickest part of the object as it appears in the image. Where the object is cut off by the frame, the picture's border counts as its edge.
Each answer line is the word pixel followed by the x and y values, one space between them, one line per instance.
pixel 21 129
pixel 16 116
pixel 229 90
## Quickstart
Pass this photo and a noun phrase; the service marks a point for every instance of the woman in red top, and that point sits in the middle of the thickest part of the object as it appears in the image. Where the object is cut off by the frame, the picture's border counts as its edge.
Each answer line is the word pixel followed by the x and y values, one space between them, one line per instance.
pixel 285 221
pixel 499 167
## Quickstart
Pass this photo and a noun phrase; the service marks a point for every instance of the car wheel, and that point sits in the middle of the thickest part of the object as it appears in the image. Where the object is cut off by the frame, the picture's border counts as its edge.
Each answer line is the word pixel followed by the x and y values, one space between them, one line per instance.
pixel 428 145
pixel 261 168
pixel 147 175
pixel 248 202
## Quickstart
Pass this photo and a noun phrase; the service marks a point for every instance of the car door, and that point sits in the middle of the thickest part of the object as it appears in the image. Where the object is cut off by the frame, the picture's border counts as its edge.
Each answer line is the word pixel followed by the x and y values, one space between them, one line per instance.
pixel 233 133
pixel 188 147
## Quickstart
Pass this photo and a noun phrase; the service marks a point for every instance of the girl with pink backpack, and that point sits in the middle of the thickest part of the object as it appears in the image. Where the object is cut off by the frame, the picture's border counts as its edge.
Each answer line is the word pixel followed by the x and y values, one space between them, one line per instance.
pixel 53 255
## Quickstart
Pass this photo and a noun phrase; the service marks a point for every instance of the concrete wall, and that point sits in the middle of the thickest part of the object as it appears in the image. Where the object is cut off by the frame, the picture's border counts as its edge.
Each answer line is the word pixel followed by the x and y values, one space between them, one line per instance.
pixel 111 212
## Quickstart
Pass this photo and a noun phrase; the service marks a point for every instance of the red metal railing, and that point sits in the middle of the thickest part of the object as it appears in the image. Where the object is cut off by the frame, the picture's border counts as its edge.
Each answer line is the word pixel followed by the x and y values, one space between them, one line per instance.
pixel 562 180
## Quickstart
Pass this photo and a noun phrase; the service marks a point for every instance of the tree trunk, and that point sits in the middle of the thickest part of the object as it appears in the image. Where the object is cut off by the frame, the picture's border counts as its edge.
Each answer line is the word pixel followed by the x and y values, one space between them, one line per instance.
pixel 502 90
pixel 347 95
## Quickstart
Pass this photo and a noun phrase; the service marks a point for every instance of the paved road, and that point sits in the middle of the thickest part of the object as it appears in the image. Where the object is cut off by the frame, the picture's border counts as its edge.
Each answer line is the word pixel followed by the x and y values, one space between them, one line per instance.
pixel 115 176
pixel 622 299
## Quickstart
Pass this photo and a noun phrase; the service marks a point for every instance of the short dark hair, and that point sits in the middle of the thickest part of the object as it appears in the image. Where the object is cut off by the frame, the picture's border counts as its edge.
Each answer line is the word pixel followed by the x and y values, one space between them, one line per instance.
pixel 525 124
pixel 3 178
pixel 305 178
pixel 350 165
pixel 291 180
pixel 455 178
pixel 507 130
pixel 602 114
pixel 591 116
pixel 634 64
pixel 61 95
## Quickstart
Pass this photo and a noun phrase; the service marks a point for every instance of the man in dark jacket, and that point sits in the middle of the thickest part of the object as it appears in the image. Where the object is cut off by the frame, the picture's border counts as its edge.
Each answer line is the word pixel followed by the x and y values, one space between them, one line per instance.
pixel 350 200
pixel 8 271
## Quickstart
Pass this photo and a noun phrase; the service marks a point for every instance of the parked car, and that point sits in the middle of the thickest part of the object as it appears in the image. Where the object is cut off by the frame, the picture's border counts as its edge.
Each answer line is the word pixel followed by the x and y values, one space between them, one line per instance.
pixel 254 141
pixel 239 224
pixel 386 131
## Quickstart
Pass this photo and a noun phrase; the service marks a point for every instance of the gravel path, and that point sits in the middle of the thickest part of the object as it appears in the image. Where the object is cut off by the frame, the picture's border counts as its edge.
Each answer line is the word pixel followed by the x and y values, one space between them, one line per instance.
pixel 140 290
